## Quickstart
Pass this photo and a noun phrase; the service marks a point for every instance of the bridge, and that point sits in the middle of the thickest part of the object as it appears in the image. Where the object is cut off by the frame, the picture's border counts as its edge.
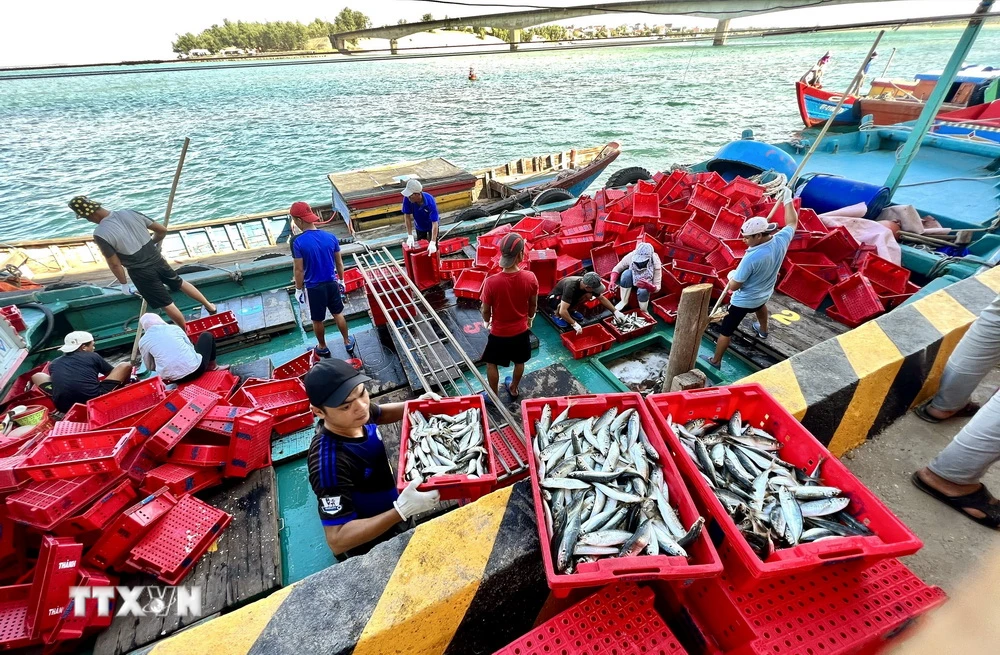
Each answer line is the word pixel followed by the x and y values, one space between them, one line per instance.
pixel 514 22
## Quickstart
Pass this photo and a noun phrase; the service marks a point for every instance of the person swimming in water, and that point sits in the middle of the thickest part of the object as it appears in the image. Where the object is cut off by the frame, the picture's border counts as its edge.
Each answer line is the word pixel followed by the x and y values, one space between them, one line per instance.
pixel 472 74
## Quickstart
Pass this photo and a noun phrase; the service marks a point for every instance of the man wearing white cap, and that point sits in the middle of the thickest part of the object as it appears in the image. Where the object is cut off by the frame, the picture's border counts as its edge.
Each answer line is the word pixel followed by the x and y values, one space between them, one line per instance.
pixel 752 283
pixel 420 212
pixel 74 377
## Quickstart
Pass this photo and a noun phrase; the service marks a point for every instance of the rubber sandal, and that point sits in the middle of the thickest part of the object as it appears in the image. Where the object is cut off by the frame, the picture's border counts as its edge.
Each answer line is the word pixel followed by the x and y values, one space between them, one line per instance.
pixel 706 358
pixel 506 384
pixel 577 315
pixel 559 322
pixel 486 397
pixel 214 311
pixel 351 343
pixel 922 413
pixel 978 499
pixel 756 328
pixel 322 352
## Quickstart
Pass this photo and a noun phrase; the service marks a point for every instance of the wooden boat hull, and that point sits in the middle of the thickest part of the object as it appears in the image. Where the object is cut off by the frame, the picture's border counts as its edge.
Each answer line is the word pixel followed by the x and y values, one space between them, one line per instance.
pixel 816 106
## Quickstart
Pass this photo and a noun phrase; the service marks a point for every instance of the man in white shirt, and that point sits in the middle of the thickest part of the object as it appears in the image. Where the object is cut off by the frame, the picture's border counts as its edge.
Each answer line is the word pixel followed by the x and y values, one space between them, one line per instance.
pixel 168 350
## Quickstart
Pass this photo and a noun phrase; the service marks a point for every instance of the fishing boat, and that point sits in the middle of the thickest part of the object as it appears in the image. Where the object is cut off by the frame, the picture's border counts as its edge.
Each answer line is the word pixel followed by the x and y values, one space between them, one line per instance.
pixel 362 200
pixel 892 101
pixel 976 122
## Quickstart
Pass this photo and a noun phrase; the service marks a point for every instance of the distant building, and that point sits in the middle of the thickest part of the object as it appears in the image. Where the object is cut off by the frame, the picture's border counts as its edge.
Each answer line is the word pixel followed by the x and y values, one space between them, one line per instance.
pixel 231 51
pixel 199 52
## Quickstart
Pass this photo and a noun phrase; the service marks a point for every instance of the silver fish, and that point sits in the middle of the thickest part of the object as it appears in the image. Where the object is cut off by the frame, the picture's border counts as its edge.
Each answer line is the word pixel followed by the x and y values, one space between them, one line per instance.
pixel 824 506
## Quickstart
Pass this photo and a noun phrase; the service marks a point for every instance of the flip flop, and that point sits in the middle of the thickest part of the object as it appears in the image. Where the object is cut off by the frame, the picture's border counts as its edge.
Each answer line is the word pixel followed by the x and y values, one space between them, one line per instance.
pixel 506 384
pixel 922 413
pixel 351 343
pixel 322 352
pixel 978 499
pixel 706 358
pixel 486 397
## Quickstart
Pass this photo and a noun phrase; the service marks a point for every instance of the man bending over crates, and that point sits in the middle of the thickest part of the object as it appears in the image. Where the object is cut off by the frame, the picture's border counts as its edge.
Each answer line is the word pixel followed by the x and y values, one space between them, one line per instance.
pixel 752 283
pixel 75 376
pixel 348 467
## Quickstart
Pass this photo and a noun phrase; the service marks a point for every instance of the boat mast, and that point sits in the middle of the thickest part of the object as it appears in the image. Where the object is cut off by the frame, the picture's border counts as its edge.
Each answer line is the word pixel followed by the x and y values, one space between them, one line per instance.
pixel 936 98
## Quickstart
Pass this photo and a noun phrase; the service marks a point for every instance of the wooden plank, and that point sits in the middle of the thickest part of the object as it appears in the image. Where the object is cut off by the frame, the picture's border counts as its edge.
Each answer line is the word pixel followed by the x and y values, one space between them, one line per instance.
pixel 251 313
pixel 245 565
pixel 277 309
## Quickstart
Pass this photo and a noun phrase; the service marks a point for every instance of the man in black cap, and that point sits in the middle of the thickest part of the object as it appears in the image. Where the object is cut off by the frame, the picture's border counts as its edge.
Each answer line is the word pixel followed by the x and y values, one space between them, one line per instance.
pixel 570 291
pixel 348 467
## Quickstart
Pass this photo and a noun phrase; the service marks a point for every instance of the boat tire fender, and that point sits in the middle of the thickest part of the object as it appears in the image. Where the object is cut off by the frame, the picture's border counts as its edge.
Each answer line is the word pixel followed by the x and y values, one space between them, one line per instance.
pixel 627 176
pixel 550 196
pixel 471 214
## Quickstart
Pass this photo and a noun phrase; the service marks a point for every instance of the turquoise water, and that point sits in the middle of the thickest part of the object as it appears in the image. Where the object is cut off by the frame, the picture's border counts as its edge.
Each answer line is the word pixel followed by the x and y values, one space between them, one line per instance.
pixel 262 138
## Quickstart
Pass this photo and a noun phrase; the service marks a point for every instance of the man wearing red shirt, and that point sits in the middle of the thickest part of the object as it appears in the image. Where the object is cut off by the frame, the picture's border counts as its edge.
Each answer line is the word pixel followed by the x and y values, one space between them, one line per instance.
pixel 510 299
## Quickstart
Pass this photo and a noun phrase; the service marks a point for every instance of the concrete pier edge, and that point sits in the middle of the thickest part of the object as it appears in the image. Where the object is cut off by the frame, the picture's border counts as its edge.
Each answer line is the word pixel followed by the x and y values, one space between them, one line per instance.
pixel 472 580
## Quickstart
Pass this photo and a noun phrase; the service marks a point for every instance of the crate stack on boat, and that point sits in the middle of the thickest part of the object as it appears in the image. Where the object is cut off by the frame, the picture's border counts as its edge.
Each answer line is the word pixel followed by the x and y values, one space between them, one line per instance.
pixel 110 489
pixel 835 595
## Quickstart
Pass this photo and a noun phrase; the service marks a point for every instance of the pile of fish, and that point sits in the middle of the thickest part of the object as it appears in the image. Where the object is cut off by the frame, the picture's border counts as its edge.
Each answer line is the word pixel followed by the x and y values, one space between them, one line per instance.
pixel 445 445
pixel 773 503
pixel 630 323
pixel 603 492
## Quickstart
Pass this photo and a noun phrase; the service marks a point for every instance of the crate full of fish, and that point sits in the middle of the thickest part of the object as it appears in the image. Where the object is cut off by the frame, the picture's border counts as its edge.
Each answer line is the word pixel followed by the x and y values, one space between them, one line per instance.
pixel 777 497
pixel 635 324
pixel 444 444
pixel 609 501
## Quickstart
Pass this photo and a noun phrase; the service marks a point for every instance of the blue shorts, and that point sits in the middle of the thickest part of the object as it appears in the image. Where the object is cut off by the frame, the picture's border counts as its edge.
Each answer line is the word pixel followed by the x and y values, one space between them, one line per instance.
pixel 323 297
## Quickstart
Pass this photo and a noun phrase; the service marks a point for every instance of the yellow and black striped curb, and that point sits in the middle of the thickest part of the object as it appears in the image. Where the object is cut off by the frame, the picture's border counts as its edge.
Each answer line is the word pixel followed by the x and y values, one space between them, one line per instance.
pixel 848 389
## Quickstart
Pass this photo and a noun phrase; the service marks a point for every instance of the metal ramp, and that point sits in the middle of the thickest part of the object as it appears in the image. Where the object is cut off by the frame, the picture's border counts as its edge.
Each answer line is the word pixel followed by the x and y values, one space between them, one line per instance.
pixel 436 357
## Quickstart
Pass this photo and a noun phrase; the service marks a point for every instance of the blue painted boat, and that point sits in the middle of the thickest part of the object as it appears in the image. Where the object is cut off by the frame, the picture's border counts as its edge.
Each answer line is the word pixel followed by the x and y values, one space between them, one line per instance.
pixel 816 106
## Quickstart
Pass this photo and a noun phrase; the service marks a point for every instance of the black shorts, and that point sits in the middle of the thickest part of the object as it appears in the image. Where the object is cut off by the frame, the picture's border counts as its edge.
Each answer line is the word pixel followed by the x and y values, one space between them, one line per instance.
pixel 423 236
pixel 734 318
pixel 501 351
pixel 107 386
pixel 323 297
pixel 152 282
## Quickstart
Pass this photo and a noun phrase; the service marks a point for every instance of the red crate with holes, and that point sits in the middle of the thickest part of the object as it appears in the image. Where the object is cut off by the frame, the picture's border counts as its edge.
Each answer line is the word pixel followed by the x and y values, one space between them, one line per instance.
pixel 604 259
pixel 386 287
pixel 123 407
pixel 449 246
pixel 529 227
pixel 353 280
pixel 890 537
pixel 297 367
pixel 711 179
pixel 742 206
pixel 885 274
pixel 457 264
pixel 113 546
pixel 101 512
pixel 182 422
pixel 568 265
pixel 279 397
pixel 422 267
pixel 486 256
pixel 722 258
pixel 13 316
pixel 219 381
pixel 707 200
pixel 72 455
pixel 688 273
pixel 201 448
pixel 469 284
pixel 728 225
pixel 737 246
pixel 294 423
pixel 155 418
pixel 12 477
pixel 221 325
pixel 619 620
pixel 175 544
pixel 840 609
pixel 180 479
pixel 250 445
pixel 55 572
pixel 666 307
pixel 680 253
pixel 806 287
pixel 543 264
pixel 891 299
pixel 613 228
pixel 810 222
pixel 702 560
pixel 838 245
pixel 14 609
pixel 138 462
pixel 511 454
pixel 43 504
pixel 592 340
pixel 546 242
pixel 457 486
pixel 645 205
pixel 697 238
pixel 576 246
pixel 577 230
pixel 856 299
pixel 741 186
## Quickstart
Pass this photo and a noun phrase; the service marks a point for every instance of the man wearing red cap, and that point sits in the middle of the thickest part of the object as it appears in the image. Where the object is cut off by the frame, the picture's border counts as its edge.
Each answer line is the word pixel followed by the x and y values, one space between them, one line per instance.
pixel 319 269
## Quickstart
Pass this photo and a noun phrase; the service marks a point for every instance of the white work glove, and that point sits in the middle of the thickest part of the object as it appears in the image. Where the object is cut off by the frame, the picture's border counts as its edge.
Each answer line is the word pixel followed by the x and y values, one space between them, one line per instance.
pixel 619 316
pixel 432 247
pixel 409 240
pixel 300 296
pixel 127 289
pixel 343 289
pixel 578 328
pixel 531 321
pixel 412 502
pixel 430 395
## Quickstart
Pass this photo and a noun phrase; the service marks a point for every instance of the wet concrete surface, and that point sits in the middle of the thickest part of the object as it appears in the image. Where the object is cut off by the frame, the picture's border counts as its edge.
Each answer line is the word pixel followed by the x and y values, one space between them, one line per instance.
pixel 954 547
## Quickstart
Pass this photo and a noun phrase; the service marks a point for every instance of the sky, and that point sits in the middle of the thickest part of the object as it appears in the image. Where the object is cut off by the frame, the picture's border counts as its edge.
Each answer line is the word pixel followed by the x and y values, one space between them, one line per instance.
pixel 73 32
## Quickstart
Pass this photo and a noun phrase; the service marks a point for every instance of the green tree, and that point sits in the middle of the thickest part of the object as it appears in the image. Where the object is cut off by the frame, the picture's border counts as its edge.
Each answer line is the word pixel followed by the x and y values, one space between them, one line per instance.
pixel 186 43
pixel 401 21
pixel 500 33
pixel 426 18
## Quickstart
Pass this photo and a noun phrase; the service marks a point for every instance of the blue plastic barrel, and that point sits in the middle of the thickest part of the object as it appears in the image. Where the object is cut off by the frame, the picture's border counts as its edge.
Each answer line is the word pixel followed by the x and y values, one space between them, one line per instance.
pixel 826 193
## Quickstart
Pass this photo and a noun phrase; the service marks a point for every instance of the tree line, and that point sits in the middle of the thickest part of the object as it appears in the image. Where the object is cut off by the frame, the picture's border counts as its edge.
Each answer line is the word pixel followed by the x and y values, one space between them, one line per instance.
pixel 276 36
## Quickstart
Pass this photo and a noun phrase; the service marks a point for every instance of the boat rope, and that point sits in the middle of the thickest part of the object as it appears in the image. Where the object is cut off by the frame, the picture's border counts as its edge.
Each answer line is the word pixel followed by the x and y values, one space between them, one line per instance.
pixel 774 185
pixel 952 179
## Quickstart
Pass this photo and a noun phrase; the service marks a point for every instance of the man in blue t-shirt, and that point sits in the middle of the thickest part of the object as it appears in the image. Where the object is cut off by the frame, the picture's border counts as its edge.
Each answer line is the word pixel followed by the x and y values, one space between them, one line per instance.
pixel 319 270
pixel 420 212
pixel 752 283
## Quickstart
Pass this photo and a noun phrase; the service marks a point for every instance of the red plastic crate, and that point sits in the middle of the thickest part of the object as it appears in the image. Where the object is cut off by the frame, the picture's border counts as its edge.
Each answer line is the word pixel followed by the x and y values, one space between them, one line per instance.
pixel 486 256
pixel 353 280
pixel 809 259
pixel 13 316
pixel 123 407
pixel 893 300
pixel 14 609
pixel 704 561
pixel 250 445
pixel 101 512
pixel 666 307
pixel 528 227
pixel 697 238
pixel 175 544
pixel 576 246
pixel 508 446
pixel 577 230
pixel 672 251
pixel 55 573
pixel 182 422
pixel 279 397
pixel 885 274
pixel 469 284
pixel 855 299
pixel 297 367
pixel 741 186
pixel 836 610
pixel 138 462
pixel 758 408
pixel 619 619
pixel 545 242
pixel 154 419
pixel 551 221
pixel 810 222
pixel 219 381
pixel 728 225
pixel 422 267
pixel 568 265
pixel 457 264
pixel 451 487
pixel 742 206
pixel 543 264
pixel 806 287
pixel 77 413
pixel 69 626
pixel 180 479
pixel 449 246
pixel 221 325
pixel 624 248
pixel 43 504
pixel 592 340
pixel 127 528
pixel 71 455
pixel 711 179
pixel 619 337
pixel 294 423
pixel 392 290
pixel 688 273
pixel 604 259
pixel 645 205
pixel 707 200
pixel 12 477
pixel 201 448
pixel 614 227
pixel 837 244
pixel 721 258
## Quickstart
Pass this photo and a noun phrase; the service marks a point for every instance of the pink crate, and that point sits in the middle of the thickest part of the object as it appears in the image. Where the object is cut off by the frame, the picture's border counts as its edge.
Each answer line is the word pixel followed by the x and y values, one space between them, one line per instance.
pixel 220 325
pixel 279 397
pixel 804 286
pixel 44 504
pixel 856 299
pixel 180 479
pixel 72 455
pixel 127 528
pixel 122 407
pixel 469 284
pixel 182 422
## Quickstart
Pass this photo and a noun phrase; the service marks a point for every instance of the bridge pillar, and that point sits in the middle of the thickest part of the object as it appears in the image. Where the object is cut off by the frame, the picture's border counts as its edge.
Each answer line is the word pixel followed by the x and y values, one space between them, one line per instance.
pixel 340 44
pixel 515 39
pixel 721 32
pixel 394 46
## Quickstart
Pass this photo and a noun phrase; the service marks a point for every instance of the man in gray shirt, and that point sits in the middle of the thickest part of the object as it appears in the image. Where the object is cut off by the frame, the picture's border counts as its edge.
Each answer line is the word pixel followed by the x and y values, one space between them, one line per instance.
pixel 124 239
